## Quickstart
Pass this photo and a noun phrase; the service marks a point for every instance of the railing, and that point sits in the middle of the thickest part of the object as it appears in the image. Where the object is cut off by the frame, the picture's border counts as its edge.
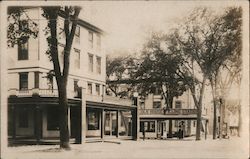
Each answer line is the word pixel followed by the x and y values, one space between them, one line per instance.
pixel 167 112
pixel 108 99
pixel 41 92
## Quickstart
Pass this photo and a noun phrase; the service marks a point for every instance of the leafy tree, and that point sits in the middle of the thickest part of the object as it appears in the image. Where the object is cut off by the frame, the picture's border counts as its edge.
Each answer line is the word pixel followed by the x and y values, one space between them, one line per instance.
pixel 118 69
pixel 17 34
pixel 208 41
pixel 159 69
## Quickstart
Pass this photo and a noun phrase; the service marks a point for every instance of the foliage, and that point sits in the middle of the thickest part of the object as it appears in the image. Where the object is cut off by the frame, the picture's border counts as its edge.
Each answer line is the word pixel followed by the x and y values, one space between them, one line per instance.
pixel 159 69
pixel 117 69
pixel 20 26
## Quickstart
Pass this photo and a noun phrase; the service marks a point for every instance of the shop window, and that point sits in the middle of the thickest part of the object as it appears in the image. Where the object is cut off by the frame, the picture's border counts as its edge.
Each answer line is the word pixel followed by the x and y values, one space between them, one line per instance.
pixel 176 123
pixel 53 118
pixel 23 118
pixel 149 126
pixel 23 81
pixel 93 120
pixel 156 104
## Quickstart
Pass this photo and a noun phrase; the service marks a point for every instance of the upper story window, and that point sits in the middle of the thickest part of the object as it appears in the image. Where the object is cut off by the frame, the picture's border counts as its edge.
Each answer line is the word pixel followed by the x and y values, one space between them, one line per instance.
pixel 77 35
pixel 97 87
pixel 77 59
pixel 76 85
pixel 89 88
pixel 178 104
pixel 98 42
pixel 98 65
pixel 23 51
pixel 91 39
pixel 23 81
pixel 91 63
pixel 23 44
pixel 156 104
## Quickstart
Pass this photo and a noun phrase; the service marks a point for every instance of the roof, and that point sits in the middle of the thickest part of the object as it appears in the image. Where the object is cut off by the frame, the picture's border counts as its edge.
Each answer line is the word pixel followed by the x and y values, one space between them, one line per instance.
pixel 86 24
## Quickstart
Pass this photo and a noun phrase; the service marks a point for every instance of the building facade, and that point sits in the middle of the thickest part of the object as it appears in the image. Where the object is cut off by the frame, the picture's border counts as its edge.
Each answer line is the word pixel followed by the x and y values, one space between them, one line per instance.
pixel 179 121
pixel 33 95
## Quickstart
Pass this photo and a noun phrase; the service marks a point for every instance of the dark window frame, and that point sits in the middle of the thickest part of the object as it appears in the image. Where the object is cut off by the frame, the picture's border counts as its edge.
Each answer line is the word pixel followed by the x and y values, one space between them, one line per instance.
pixel 23 53
pixel 23 81
pixel 93 120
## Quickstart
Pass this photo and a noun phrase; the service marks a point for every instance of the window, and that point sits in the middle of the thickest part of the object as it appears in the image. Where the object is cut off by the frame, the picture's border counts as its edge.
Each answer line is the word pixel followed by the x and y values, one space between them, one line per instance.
pixel 77 59
pixel 23 81
pixel 98 66
pixel 76 85
pixel 156 91
pixel 93 120
pixel 36 80
pixel 98 42
pixel 178 104
pixel 77 35
pixel 23 118
pixel 194 123
pixel 91 64
pixel 89 88
pixel 149 126
pixel 176 123
pixel 23 44
pixel 61 54
pixel 91 39
pixel 156 104
pixel 53 118
pixel 97 89
pixel 23 51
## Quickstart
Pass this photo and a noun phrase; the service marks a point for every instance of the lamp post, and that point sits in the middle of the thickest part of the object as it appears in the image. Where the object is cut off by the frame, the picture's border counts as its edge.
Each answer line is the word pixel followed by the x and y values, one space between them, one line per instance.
pixel 135 116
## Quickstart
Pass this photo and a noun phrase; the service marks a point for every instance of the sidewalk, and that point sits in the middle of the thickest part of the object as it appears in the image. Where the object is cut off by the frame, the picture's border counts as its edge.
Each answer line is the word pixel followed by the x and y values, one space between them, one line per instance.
pixel 233 148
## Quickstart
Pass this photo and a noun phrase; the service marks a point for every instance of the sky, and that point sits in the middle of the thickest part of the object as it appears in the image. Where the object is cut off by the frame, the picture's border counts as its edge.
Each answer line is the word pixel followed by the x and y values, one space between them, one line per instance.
pixel 127 23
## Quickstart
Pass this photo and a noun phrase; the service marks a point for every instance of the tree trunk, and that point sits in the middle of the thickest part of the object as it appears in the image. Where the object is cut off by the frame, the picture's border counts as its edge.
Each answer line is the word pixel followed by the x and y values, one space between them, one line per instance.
pixel 63 104
pixel 198 126
pixel 214 121
pixel 170 133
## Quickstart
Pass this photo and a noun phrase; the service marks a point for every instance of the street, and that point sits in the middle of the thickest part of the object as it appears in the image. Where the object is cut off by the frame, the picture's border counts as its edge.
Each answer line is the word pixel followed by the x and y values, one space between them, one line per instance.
pixel 234 148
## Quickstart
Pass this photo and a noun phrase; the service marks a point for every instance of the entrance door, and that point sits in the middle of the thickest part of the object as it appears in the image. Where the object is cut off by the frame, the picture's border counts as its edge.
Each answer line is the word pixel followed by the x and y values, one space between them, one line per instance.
pixel 110 124
pixel 160 125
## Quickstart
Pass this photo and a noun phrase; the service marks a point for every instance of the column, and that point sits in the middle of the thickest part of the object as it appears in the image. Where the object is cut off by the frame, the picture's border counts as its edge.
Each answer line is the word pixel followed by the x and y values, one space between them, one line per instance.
pixel 38 123
pixel 206 129
pixel 69 120
pixel 117 123
pixel 84 119
pixel 13 109
pixel 102 123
